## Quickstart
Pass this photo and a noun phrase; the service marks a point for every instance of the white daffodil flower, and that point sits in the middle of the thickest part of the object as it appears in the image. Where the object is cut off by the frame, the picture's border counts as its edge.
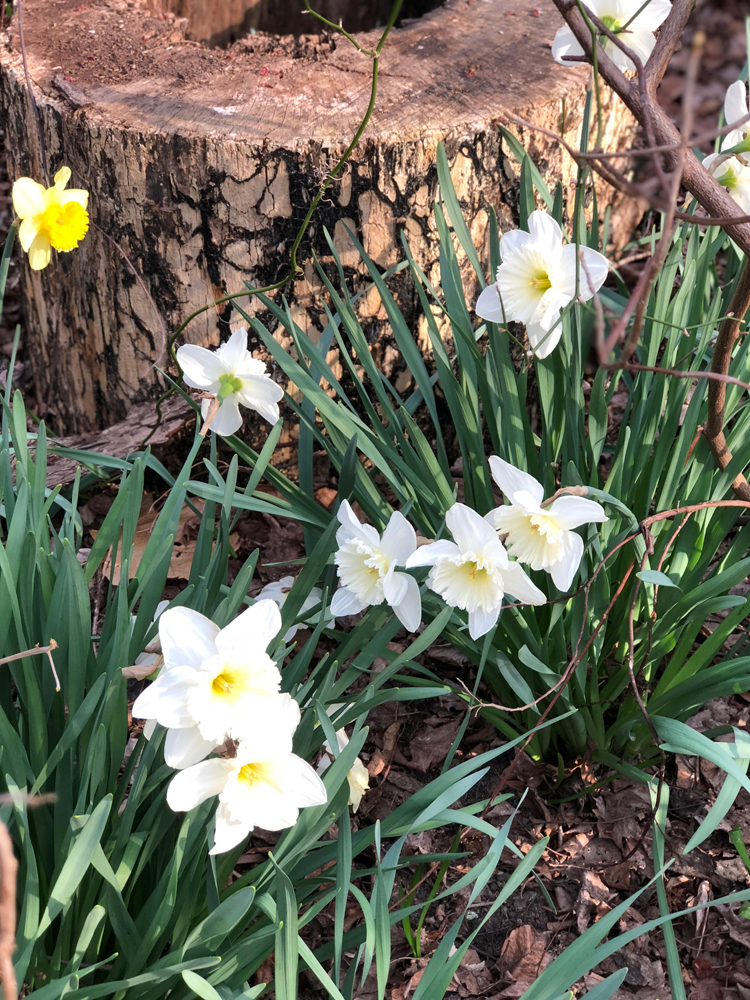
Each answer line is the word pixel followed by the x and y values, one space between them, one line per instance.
pixel 235 377
pixel 473 572
pixel 537 278
pixel 625 18
pixel 358 775
pixel 543 538
pixel 733 174
pixel 367 568
pixel 265 785
pixel 215 683
pixel 278 591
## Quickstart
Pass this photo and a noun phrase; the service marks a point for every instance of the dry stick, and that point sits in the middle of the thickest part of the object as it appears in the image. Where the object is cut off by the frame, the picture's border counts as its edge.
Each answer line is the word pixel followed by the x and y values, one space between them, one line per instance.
pixel 713 429
pixel 37 651
pixel 30 92
pixel 8 870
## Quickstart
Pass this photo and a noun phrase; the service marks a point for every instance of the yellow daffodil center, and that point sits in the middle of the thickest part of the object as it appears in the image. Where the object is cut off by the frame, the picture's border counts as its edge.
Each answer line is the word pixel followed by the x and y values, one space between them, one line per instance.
pixel 541 281
pixel 229 683
pixel 547 526
pixel 229 385
pixel 475 575
pixel 250 774
pixel 64 225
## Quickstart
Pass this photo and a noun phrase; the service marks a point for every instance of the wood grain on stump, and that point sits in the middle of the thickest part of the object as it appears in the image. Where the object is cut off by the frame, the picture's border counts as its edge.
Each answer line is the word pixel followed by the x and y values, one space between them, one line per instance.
pixel 201 163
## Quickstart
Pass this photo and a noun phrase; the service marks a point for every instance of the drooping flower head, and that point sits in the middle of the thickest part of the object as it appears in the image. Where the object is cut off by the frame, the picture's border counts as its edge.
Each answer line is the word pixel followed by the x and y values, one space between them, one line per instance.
pixel 50 217
pixel 235 377
pixel 731 166
pixel 278 591
pixel 358 776
pixel 215 683
pixel 733 174
pixel 543 538
pixel 265 785
pixel 625 18
pixel 473 572
pixel 537 278
pixel 367 568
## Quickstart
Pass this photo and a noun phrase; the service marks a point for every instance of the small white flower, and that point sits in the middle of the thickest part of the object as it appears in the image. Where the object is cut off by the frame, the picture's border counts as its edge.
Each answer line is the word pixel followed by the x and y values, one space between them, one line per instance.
pixel 732 173
pixel 473 573
pixel 615 14
pixel 537 279
pixel 367 568
pixel 358 776
pixel 215 683
pixel 265 785
pixel 235 377
pixel 278 591
pixel 735 109
pixel 543 538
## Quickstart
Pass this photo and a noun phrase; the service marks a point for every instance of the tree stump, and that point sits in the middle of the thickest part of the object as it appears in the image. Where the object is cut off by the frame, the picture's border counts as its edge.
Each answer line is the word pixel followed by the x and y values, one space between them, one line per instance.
pixel 202 161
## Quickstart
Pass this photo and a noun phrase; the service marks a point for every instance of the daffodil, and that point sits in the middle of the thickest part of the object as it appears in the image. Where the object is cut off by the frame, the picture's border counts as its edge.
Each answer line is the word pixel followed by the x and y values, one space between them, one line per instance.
pixel 50 217
pixel 473 572
pixel 278 591
pixel 235 378
pixel 541 537
pixel 537 278
pixel 633 22
pixel 358 776
pixel 215 683
pixel 735 109
pixel 367 568
pixel 265 785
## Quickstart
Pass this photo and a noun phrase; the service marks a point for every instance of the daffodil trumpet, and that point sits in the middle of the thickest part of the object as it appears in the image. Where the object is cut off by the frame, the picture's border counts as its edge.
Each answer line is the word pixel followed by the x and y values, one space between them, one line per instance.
pixel 50 218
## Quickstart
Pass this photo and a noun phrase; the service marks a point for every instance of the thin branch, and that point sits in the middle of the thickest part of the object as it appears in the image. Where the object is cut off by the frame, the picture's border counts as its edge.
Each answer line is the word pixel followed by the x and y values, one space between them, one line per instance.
pixel 36 651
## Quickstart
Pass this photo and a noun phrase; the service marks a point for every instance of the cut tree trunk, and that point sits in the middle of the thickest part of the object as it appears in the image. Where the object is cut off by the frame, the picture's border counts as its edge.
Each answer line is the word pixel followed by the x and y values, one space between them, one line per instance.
pixel 202 162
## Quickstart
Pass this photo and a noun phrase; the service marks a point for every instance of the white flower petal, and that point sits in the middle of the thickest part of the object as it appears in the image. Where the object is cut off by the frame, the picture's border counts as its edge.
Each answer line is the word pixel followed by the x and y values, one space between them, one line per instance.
pixel 188 639
pixel 521 587
pixel 185 747
pixel 345 602
pixel 29 198
pixel 228 419
pixel 637 38
pixel 543 341
pixel 166 700
pixel 735 104
pixel 394 586
pixel 572 511
pixel 228 832
pixel 545 231
pixel 399 539
pixel 512 241
pixel 489 305
pixel 359 782
pixel 201 369
pixel 254 629
pixel 429 555
pixel 480 622
pixel 565 44
pixel 511 480
pixel 301 781
pixel 470 530
pixel 232 353
pixel 590 266
pixel 261 394
pixel 564 571
pixel 652 16
pixel 409 609
pixel 195 784
pixel 354 527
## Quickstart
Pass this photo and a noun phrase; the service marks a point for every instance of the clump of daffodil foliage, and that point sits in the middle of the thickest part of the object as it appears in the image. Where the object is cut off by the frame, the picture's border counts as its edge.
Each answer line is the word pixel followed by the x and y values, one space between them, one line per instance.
pixel 181 730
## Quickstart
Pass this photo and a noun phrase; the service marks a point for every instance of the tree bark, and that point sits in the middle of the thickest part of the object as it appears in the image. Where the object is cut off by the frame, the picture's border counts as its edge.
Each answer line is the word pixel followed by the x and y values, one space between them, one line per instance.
pixel 202 162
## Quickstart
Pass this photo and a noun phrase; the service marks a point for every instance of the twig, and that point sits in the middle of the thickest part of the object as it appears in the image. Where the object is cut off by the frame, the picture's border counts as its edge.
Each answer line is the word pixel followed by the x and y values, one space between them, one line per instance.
pixel 8 870
pixel 713 429
pixel 29 90
pixel 36 651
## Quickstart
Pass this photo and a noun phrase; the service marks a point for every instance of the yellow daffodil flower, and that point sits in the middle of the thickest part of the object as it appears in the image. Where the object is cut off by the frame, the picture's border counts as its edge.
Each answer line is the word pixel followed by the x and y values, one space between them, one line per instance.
pixel 50 217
